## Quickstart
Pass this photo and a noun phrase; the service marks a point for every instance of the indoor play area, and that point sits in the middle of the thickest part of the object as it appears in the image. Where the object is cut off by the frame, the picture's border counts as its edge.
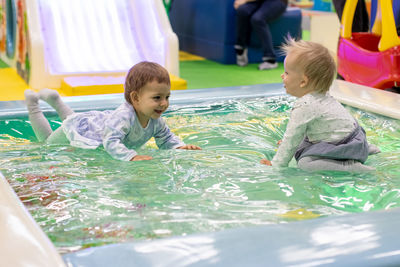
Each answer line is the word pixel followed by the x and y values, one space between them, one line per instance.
pixel 66 206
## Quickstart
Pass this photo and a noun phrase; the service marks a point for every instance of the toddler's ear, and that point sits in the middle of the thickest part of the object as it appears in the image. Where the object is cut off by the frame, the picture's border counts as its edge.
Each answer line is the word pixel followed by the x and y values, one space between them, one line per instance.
pixel 304 81
pixel 134 96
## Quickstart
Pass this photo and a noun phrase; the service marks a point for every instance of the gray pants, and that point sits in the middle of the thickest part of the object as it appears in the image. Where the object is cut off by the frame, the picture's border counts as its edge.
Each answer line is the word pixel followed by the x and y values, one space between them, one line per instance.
pixel 346 155
pixel 320 164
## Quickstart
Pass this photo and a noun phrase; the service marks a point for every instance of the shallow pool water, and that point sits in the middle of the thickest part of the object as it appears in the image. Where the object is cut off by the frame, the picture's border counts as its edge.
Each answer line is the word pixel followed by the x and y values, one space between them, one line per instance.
pixel 84 198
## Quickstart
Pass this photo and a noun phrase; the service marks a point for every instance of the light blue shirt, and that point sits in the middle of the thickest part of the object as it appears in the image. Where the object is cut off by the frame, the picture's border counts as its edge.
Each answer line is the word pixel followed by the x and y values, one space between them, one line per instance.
pixel 119 131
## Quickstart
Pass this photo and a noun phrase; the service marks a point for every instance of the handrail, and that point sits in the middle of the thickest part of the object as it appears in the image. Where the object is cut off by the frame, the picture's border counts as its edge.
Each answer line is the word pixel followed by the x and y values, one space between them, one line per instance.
pixel 389 37
pixel 384 24
pixel 347 18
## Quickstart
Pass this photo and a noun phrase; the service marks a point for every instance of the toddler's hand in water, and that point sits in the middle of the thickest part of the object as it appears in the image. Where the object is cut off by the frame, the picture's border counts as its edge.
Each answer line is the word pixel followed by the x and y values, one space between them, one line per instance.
pixel 190 147
pixel 141 157
pixel 265 162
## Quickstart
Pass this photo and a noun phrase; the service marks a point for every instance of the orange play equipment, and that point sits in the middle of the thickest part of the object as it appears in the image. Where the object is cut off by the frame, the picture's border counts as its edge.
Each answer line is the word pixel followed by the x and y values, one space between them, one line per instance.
pixel 370 58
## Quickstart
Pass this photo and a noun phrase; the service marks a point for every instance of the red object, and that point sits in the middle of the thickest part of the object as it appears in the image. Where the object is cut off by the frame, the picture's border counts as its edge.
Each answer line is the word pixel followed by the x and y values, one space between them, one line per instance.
pixel 360 61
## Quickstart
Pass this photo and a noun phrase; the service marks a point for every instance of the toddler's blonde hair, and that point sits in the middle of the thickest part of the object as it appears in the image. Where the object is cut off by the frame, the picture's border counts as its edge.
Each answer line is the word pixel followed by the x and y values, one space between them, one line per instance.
pixel 315 60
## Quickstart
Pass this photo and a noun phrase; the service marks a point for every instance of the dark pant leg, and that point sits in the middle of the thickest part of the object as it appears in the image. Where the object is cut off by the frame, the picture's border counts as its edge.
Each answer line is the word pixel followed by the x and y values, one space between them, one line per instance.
pixel 268 11
pixel 243 26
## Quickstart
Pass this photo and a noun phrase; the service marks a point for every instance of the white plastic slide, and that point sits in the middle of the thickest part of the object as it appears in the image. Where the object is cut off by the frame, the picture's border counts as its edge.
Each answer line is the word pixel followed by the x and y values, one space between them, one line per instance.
pixel 95 38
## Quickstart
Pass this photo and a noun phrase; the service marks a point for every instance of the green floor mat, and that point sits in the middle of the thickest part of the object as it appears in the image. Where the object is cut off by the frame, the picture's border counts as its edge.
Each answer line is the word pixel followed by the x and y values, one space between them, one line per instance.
pixel 209 74
pixel 2 64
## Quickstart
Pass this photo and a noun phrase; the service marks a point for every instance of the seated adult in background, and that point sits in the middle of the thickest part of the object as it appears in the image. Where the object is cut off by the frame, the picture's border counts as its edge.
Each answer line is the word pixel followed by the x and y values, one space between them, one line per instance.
pixel 257 14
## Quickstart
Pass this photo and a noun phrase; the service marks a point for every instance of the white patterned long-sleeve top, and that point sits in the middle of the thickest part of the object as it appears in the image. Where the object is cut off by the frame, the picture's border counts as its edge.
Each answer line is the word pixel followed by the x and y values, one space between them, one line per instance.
pixel 119 131
pixel 320 117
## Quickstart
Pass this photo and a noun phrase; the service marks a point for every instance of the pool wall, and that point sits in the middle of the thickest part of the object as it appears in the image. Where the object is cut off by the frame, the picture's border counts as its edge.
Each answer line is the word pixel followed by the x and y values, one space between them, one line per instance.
pixel 365 239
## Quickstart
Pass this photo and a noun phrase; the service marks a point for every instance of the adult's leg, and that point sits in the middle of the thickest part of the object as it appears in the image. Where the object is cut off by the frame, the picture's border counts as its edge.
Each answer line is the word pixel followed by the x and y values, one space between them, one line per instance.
pixel 266 13
pixel 319 164
pixel 243 26
pixel 243 30
pixel 52 97
pixel 40 124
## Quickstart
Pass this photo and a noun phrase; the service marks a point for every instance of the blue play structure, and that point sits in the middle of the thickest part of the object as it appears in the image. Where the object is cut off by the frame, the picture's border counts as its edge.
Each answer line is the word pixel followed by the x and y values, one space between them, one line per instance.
pixel 207 28
pixel 323 5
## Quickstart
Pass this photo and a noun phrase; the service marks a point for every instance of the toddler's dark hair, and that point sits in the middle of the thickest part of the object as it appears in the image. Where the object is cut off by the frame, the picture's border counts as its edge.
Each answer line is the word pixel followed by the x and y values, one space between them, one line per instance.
pixel 141 74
